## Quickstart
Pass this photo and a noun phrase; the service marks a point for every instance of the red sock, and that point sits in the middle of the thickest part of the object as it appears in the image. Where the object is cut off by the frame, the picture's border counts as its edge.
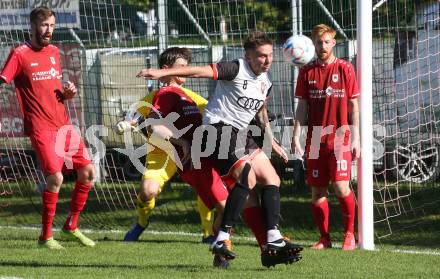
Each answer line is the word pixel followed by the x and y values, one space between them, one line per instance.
pixel 79 198
pixel 49 207
pixel 347 205
pixel 254 219
pixel 320 216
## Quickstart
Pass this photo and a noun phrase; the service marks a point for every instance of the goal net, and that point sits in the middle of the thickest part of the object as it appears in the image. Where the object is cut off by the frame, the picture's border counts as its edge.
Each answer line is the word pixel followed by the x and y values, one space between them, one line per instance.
pixel 104 43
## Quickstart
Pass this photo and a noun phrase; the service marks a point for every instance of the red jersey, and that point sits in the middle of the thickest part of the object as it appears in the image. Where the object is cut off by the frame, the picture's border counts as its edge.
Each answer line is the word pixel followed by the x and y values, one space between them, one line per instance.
pixel 327 89
pixel 37 77
pixel 172 99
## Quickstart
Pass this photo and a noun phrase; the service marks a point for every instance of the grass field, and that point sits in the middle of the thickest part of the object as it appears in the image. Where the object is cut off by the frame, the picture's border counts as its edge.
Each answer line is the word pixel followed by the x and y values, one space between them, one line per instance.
pixel 412 250
pixel 180 256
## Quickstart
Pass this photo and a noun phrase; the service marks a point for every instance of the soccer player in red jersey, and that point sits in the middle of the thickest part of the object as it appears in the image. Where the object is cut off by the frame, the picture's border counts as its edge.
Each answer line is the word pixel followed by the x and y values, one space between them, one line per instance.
pixel 328 97
pixel 35 69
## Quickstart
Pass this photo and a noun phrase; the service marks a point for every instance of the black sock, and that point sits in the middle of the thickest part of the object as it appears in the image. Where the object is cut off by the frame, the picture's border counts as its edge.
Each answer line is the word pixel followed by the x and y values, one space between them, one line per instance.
pixel 234 205
pixel 270 202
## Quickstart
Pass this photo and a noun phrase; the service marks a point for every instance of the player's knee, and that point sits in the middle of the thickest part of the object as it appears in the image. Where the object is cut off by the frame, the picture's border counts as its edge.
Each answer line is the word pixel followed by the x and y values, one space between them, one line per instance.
pixel 319 194
pixel 149 189
pixel 54 181
pixel 86 174
pixel 342 188
pixel 91 172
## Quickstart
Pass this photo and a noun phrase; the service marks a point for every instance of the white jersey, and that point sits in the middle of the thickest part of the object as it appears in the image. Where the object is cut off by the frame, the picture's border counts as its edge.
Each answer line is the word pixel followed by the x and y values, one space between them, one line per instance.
pixel 238 96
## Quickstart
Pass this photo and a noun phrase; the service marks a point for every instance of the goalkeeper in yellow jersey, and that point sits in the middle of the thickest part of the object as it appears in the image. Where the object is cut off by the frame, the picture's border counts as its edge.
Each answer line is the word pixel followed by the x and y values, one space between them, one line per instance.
pixel 159 167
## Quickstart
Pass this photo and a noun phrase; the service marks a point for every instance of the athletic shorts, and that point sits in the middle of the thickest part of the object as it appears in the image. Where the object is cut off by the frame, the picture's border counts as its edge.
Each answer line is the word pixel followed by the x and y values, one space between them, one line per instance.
pixel 229 155
pixel 207 183
pixel 63 155
pixel 326 169
pixel 159 167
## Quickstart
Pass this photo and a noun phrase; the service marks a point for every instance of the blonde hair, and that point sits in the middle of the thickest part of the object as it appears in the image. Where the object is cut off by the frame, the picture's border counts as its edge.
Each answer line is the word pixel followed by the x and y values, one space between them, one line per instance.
pixel 322 29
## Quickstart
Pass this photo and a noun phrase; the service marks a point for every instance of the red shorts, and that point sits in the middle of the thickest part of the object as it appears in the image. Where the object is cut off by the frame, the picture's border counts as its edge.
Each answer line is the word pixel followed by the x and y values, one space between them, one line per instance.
pixel 207 183
pixel 326 168
pixel 55 153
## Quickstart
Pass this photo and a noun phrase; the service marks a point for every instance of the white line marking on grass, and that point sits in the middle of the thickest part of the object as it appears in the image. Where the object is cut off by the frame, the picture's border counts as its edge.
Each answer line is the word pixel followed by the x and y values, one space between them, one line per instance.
pixel 422 252
pixel 305 243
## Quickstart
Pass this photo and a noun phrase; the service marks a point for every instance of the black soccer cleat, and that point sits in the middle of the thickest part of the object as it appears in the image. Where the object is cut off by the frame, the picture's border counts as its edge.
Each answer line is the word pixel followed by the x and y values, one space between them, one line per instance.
pixel 272 260
pixel 282 247
pixel 224 249
pixel 220 262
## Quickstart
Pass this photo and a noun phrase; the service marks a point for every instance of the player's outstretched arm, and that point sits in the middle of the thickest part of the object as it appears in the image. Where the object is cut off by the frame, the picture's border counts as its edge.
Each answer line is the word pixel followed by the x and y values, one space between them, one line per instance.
pixel 197 72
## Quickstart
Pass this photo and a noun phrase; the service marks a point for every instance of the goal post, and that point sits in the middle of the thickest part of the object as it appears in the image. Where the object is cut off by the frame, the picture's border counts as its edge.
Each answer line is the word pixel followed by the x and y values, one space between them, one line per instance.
pixel 365 165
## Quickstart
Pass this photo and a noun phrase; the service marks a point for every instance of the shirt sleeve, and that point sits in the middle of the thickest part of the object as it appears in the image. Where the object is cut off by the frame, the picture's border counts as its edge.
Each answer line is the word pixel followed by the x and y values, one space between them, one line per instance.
pixel 199 100
pixel 268 92
pixel 227 70
pixel 352 86
pixel 301 85
pixel 164 102
pixel 11 68
pixel 144 106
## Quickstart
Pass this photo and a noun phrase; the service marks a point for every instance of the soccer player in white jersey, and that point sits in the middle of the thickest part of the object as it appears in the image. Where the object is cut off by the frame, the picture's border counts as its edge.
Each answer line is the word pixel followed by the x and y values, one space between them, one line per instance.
pixel 240 95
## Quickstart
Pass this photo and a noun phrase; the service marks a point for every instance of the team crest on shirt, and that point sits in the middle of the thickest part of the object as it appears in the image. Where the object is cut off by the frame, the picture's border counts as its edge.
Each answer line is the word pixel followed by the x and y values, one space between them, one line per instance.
pixel 52 60
pixel 335 77
pixel 315 173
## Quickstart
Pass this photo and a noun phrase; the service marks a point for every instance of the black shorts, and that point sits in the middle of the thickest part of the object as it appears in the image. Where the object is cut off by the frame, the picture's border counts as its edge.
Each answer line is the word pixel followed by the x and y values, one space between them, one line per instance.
pixel 233 147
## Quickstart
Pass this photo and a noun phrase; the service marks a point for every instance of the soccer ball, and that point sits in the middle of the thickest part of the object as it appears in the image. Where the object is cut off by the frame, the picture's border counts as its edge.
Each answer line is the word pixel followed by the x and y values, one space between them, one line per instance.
pixel 298 50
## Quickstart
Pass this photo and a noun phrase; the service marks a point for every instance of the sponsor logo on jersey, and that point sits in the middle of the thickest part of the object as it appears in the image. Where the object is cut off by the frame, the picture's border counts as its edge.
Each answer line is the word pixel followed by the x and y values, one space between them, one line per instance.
pixel 249 103
pixel 335 77
pixel 52 60
pixel 329 91
pixel 34 64
pixel 45 75
pixel 312 81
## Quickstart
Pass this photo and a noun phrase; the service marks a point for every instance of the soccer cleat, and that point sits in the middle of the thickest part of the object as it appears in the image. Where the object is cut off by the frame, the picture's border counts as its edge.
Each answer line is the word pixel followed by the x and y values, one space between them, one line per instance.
pixel 134 233
pixel 76 235
pixel 210 239
pixel 282 247
pixel 51 244
pixel 323 243
pixel 220 262
pixel 349 242
pixel 269 260
pixel 224 249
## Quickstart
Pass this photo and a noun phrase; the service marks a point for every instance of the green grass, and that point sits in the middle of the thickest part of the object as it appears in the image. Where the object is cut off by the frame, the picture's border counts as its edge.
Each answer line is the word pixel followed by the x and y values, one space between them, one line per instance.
pixel 110 207
pixel 176 256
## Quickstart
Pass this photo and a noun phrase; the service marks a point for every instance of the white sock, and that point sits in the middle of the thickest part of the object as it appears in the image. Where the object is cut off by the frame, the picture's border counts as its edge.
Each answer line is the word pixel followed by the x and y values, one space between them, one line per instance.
pixel 222 236
pixel 273 235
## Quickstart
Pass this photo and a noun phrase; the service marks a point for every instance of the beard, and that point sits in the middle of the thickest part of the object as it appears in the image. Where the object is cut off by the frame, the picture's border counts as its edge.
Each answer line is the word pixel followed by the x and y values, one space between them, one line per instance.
pixel 44 39
pixel 323 56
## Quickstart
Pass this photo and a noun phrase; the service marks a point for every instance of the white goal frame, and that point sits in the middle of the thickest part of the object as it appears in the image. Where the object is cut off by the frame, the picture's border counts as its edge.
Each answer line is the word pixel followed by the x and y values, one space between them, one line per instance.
pixel 365 164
